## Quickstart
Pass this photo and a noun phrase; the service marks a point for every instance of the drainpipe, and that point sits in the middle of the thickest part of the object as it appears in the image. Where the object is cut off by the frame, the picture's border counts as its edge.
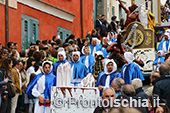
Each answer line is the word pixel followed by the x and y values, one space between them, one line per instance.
pixel 146 3
pixel 81 11
pixel 6 23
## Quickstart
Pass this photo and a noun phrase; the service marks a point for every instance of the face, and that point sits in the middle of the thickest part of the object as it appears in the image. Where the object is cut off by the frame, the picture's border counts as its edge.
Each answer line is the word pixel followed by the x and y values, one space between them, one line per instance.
pixel 108 94
pixel 75 57
pixel 61 57
pixel 114 86
pixel 33 63
pixel 94 42
pixel 16 47
pixel 11 64
pixel 19 66
pixel 159 54
pixel 106 40
pixel 47 68
pixel 151 79
pixel 15 56
pixel 159 110
pixel 110 67
pixel 87 50
pixel 110 36
pixel 4 56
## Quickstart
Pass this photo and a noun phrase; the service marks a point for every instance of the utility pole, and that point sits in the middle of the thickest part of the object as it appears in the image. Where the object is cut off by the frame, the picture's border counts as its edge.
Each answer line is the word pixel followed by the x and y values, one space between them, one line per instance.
pixel 6 23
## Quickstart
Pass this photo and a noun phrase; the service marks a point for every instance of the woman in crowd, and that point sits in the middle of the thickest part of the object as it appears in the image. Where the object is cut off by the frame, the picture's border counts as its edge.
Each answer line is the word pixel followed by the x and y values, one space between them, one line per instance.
pixel 6 74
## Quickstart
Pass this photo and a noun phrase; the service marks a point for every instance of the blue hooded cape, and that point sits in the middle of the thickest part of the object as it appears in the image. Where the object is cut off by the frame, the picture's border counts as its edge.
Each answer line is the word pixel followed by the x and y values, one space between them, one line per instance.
pixel 161 60
pixel 161 44
pixel 113 75
pixel 90 63
pixel 56 64
pixel 132 71
pixel 99 77
pixel 50 80
pixel 80 70
pixel 98 48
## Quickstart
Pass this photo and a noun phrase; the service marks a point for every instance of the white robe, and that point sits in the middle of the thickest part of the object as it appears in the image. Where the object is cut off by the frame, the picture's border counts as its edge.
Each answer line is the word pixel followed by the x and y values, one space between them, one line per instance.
pixel 39 90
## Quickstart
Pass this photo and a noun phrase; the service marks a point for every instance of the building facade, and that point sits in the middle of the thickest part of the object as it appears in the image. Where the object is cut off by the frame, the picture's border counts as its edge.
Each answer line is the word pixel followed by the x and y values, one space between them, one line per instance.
pixel 30 20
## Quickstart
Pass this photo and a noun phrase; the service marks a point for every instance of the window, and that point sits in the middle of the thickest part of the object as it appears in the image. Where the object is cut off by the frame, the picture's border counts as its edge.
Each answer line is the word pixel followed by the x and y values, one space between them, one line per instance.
pixel 30 30
pixel 113 11
pixel 63 33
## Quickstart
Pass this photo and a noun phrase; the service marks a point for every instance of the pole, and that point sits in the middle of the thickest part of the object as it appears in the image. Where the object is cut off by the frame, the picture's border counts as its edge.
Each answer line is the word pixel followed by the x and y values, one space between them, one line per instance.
pixel 81 8
pixel 6 23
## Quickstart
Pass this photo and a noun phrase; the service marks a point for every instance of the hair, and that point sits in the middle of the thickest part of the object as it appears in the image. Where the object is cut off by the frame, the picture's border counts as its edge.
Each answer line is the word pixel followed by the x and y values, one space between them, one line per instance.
pixel 113 18
pixel 32 77
pixel 54 37
pixel 106 89
pixel 164 69
pixel 9 44
pixel 54 53
pixel 37 56
pixel 22 53
pixel 29 62
pixel 119 82
pixel 128 90
pixel 104 22
pixel 16 62
pixel 46 64
pixel 137 83
pixel 38 42
pixel 98 16
pixel 5 51
pixel 165 107
pixel 13 52
pixel 45 42
pixel 41 47
pixel 167 55
pixel 58 41
pixel 5 65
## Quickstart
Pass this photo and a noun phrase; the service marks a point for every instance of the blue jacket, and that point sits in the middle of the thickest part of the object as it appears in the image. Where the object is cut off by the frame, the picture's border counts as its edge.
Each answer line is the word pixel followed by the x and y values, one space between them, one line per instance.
pixel 161 60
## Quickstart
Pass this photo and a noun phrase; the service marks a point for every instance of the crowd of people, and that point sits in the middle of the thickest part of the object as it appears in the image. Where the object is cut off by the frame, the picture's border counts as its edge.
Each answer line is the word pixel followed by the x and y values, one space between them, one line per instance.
pixel 165 10
pixel 26 77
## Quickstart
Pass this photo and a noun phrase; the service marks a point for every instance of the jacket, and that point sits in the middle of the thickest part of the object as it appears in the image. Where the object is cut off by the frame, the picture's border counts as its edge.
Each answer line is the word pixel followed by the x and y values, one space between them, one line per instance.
pixel 162 88
pixel 141 93
pixel 15 79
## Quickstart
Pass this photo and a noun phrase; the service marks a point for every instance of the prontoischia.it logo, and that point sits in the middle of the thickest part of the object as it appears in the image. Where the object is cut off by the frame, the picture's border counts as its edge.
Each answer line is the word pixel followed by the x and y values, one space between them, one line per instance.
pixel 84 103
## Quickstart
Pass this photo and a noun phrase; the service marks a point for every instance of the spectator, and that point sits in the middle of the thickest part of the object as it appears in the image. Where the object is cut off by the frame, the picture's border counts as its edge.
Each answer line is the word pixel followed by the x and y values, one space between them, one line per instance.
pixel 117 84
pixel 161 87
pixel 137 84
pixel 16 78
pixel 108 94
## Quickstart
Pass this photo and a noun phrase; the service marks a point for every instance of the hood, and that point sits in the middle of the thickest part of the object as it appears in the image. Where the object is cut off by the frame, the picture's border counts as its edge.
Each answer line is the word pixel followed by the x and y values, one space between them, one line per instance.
pixel 77 53
pixel 82 50
pixel 62 53
pixel 50 64
pixel 129 57
pixel 114 65
pixel 160 51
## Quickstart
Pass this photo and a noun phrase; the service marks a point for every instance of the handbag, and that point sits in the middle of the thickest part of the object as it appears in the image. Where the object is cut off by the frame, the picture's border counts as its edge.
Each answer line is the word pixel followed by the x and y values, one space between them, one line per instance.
pixel 11 90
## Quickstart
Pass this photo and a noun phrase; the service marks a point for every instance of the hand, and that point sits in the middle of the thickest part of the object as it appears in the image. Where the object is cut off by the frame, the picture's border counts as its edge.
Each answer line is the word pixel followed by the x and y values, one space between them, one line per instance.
pixel 48 101
pixel 101 87
pixel 41 99
pixel 23 84
pixel 159 62
pixel 12 84
pixel 6 80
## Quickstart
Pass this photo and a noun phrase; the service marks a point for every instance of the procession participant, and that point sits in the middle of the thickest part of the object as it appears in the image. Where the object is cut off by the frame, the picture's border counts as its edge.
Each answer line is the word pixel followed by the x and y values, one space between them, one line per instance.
pixel 130 70
pixel 78 69
pixel 40 87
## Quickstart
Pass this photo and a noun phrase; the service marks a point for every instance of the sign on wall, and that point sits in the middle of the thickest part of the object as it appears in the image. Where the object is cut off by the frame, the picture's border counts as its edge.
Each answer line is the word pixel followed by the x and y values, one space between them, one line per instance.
pixel 74 99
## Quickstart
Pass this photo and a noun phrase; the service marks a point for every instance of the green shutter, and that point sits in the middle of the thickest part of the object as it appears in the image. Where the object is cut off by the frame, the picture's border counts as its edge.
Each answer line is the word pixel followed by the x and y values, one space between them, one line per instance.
pixel 30 30
pixel 63 33
pixel 113 11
